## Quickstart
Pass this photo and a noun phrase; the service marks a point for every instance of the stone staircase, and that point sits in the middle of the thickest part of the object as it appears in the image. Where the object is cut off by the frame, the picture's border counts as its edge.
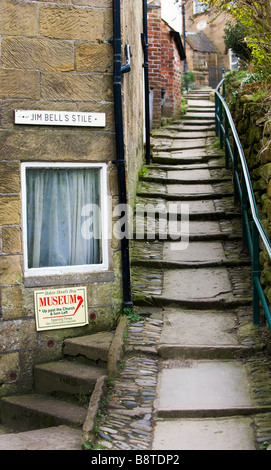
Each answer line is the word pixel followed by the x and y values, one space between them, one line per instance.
pixel 52 417
pixel 213 379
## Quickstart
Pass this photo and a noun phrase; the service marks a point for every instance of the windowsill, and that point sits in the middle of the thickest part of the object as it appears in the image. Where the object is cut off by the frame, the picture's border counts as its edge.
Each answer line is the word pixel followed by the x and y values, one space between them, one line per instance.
pixel 71 279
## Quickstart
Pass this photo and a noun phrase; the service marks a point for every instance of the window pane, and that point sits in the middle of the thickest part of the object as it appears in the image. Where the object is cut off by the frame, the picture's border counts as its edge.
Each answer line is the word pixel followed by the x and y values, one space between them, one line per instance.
pixel 55 200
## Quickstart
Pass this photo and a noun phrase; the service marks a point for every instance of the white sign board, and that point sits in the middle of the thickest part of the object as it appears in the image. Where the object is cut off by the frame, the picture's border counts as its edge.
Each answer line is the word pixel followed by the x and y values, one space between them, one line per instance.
pixel 59 118
pixel 61 308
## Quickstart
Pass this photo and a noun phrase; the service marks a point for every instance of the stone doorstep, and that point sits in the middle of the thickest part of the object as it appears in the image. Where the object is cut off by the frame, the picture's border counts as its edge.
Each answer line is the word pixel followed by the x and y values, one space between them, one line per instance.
pixel 55 412
pixel 94 347
pixel 36 411
pixel 66 376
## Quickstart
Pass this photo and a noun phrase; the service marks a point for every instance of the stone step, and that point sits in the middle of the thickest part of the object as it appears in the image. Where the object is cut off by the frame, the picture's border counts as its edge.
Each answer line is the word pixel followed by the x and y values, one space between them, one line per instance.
pixel 183 134
pixel 197 97
pixel 66 377
pixel 192 230
pixel 234 433
pixel 210 209
pixel 195 287
pixel 206 388
pixel 210 334
pixel 53 438
pixel 184 191
pixel 190 115
pixel 174 145
pixel 182 157
pixel 190 127
pixel 168 254
pixel 186 176
pixel 36 411
pixel 93 347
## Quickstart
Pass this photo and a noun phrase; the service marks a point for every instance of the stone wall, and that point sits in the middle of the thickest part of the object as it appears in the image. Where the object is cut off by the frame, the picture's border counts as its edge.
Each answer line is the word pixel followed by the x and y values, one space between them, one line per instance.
pixel 253 125
pixel 58 57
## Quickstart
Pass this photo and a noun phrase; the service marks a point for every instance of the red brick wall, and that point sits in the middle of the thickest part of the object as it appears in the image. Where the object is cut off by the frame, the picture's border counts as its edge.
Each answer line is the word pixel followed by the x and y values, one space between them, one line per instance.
pixel 171 67
pixel 154 33
pixel 164 67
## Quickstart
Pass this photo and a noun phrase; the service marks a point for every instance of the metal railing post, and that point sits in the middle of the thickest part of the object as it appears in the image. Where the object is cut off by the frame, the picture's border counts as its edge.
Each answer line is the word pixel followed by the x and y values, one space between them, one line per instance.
pixel 255 274
pixel 221 124
pixel 244 207
pixel 216 116
pixel 235 173
pixel 226 142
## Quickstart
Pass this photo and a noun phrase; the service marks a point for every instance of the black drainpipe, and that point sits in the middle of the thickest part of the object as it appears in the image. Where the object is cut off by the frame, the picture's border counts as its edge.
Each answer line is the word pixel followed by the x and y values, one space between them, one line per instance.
pixel 120 161
pixel 146 76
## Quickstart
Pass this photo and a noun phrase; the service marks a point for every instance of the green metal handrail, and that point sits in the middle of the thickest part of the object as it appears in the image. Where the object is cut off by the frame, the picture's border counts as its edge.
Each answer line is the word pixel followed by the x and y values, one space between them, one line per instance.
pixel 253 230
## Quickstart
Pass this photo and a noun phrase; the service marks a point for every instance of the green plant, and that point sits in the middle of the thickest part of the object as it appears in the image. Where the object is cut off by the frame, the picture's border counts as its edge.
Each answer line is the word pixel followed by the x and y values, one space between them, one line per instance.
pixel 188 79
pixel 235 39
pixel 131 314
pixel 143 171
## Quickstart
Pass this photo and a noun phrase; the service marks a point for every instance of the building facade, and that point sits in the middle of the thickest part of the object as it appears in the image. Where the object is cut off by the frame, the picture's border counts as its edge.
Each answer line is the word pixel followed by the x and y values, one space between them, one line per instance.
pixel 60 251
pixel 166 55
pixel 207 54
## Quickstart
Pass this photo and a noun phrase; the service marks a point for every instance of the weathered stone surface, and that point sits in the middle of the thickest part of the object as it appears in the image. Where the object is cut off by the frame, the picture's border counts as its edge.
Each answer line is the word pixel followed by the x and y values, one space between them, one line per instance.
pixel 45 145
pixel 37 53
pixel 10 269
pixel 17 302
pixel 18 334
pixel 9 177
pixel 19 84
pixel 11 240
pixel 94 57
pixel 70 22
pixel 10 210
pixel 205 434
pixel 71 87
pixel 19 18
pixel 8 363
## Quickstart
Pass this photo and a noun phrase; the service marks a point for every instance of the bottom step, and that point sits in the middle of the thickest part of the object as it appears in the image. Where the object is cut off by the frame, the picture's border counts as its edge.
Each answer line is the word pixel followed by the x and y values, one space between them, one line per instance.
pixel 205 434
pixel 55 438
pixel 34 411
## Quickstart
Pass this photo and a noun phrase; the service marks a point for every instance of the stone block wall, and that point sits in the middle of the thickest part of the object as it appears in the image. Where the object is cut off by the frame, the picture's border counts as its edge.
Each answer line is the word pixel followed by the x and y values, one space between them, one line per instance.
pixel 58 57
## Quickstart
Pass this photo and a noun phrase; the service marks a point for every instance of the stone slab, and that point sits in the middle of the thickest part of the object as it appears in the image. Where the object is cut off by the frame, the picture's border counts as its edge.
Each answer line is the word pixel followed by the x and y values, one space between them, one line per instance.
pixel 190 189
pixel 197 284
pixel 194 252
pixel 194 230
pixel 195 207
pixel 56 438
pixel 188 144
pixel 204 434
pixel 189 175
pixel 191 327
pixel 199 386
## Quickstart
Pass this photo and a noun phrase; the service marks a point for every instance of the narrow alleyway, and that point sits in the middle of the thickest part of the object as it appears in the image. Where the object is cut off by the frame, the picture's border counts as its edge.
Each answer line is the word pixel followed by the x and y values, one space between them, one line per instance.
pixel 194 375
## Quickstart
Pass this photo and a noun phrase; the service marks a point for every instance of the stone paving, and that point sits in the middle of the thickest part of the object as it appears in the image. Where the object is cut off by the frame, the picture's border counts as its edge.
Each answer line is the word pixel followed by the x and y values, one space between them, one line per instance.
pixel 195 373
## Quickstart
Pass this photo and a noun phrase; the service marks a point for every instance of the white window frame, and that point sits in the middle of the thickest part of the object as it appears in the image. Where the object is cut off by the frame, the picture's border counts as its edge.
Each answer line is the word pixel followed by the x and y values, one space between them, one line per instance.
pixel 58 270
